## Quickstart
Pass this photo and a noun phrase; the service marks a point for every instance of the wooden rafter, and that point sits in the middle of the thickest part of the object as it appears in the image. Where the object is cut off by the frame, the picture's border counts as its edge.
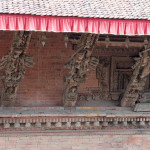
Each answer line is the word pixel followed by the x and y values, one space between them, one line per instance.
pixel 79 64
pixel 14 62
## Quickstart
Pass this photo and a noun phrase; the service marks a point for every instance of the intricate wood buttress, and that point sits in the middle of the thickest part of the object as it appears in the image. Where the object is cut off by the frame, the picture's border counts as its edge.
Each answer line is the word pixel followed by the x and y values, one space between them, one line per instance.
pixel 79 64
pixel 138 79
pixel 14 62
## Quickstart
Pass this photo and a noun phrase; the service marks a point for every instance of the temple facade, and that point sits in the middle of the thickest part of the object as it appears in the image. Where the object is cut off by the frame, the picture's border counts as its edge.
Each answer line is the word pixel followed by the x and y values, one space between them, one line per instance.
pixel 50 72
pixel 74 80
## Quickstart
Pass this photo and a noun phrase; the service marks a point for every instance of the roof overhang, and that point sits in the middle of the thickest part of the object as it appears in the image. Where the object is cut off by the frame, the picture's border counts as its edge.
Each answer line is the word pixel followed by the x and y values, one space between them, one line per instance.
pixel 74 24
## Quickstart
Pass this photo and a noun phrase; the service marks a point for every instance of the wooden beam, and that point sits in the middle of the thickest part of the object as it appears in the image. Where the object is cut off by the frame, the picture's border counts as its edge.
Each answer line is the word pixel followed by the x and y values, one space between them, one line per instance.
pixel 120 44
pixel 114 43
pixel 14 62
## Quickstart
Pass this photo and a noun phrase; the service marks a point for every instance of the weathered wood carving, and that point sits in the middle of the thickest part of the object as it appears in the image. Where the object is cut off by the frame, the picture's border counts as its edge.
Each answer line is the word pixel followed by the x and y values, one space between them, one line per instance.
pixel 79 64
pixel 14 62
pixel 138 79
pixel 102 74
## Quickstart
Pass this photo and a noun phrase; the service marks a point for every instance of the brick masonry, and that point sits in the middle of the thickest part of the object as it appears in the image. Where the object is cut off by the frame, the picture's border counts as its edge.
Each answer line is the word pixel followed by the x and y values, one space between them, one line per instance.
pixel 71 142
pixel 43 85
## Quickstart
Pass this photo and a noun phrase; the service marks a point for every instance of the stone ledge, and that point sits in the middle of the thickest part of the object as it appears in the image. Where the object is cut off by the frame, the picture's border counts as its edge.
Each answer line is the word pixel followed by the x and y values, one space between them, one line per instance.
pixel 142 107
pixel 62 108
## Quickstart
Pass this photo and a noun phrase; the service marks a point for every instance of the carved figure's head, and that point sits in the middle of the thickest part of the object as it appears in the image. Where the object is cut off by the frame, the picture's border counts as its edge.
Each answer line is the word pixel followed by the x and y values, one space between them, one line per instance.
pixel 17 53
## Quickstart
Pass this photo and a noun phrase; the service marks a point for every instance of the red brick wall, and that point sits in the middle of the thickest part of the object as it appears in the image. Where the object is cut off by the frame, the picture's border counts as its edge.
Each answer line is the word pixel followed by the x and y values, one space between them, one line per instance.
pixel 43 85
pixel 92 142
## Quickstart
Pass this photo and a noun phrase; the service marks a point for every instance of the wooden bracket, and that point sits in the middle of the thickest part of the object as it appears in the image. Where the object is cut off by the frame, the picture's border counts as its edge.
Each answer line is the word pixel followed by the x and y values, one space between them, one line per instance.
pixel 138 79
pixel 79 64
pixel 14 62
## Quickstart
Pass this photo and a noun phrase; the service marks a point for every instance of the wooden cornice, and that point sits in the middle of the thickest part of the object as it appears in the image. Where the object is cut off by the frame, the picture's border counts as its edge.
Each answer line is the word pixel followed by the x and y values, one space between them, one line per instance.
pixel 79 119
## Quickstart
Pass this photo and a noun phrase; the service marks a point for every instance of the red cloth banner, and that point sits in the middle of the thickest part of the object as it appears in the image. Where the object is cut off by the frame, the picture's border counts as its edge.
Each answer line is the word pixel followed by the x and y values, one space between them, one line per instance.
pixel 74 24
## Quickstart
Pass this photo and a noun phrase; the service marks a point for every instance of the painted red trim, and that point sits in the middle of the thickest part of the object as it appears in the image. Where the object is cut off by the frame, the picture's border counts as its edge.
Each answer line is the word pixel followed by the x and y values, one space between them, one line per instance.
pixel 74 24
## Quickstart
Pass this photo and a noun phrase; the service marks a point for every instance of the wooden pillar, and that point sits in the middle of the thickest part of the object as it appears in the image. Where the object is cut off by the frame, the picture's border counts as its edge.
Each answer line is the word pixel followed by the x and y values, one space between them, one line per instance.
pixel 79 64
pixel 14 62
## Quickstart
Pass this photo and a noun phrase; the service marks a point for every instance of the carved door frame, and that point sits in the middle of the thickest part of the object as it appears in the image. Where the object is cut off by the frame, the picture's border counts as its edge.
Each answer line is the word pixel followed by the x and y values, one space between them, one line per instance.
pixel 114 60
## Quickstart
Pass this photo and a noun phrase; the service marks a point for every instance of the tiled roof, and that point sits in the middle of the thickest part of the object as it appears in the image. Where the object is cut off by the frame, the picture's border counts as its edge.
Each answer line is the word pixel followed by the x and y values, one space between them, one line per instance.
pixel 115 9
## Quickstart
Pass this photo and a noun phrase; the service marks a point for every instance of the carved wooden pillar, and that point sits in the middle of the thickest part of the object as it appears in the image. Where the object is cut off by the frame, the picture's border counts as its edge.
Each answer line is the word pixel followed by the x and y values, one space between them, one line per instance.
pixel 79 64
pixel 138 79
pixel 14 62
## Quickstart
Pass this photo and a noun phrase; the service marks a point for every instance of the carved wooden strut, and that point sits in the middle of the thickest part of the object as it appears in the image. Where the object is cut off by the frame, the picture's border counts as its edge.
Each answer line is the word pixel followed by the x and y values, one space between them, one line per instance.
pixel 79 64
pixel 14 62
pixel 138 79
